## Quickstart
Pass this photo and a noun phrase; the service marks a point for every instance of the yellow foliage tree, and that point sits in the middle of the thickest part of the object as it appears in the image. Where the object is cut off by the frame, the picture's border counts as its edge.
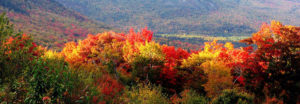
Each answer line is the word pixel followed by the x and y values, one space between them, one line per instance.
pixel 219 78
pixel 144 58
pixel 211 51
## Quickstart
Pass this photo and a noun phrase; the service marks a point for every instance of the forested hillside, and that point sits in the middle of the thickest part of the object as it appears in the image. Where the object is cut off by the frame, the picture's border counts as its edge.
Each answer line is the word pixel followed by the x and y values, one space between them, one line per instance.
pixel 151 52
pixel 208 17
pixel 50 23
pixel 118 68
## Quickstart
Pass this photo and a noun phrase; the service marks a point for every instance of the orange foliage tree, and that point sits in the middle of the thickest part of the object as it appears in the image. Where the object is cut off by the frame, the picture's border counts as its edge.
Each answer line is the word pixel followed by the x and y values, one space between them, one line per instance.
pixel 273 68
pixel 89 51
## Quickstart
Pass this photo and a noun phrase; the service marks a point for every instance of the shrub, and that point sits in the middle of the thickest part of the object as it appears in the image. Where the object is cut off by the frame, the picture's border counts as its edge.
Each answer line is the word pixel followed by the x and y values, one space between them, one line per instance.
pixel 109 88
pixel 144 94
pixel 232 96
pixel 191 97
pixel 49 78
pixel 6 29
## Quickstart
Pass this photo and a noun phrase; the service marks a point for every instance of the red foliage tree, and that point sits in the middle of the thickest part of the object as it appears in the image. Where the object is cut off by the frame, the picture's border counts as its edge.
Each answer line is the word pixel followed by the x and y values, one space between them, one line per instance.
pixel 144 36
pixel 169 75
pixel 273 69
pixel 109 87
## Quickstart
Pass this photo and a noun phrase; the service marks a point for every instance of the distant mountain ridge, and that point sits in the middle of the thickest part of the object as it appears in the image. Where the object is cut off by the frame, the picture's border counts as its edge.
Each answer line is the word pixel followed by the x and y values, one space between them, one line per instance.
pixel 50 22
pixel 209 17
pixel 24 7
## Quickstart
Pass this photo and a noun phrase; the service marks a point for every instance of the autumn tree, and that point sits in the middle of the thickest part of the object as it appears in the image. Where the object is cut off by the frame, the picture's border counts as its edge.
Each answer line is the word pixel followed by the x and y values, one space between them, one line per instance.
pixel 235 59
pixel 219 78
pixel 274 68
pixel 193 70
pixel 96 50
pixel 170 76
pixel 144 56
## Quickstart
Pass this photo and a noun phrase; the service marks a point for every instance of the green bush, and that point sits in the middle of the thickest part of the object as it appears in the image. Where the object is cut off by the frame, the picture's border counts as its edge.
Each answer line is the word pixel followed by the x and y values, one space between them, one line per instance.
pixel 10 58
pixel 191 97
pixel 48 78
pixel 51 77
pixel 232 96
pixel 144 94
pixel 6 29
pixel 16 54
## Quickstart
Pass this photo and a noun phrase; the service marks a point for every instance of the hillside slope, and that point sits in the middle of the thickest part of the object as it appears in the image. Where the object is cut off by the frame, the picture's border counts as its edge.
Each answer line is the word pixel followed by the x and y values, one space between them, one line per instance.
pixel 209 17
pixel 49 22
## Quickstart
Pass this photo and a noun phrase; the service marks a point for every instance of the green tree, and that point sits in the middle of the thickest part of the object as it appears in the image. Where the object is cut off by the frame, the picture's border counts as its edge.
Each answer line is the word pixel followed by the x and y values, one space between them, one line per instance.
pixel 6 29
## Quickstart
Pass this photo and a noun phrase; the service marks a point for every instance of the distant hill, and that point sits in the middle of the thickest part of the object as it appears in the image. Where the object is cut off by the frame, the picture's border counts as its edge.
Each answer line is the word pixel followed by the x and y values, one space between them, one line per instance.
pixel 49 22
pixel 208 17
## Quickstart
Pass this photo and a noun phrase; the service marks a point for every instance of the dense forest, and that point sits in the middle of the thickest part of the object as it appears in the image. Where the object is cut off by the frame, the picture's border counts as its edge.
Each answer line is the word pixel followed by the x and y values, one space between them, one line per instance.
pixel 174 22
pixel 50 23
pixel 208 17
pixel 131 67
